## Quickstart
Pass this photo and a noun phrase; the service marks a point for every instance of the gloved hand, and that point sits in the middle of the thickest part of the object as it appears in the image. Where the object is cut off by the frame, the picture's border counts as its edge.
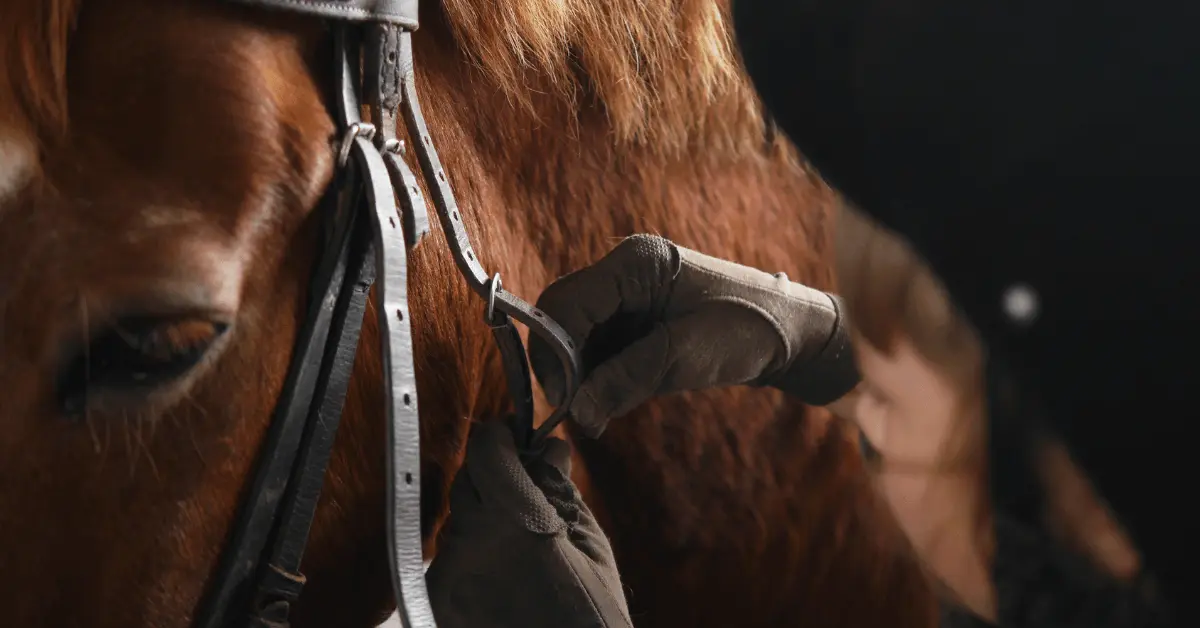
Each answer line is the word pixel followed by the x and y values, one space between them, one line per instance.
pixel 690 322
pixel 521 549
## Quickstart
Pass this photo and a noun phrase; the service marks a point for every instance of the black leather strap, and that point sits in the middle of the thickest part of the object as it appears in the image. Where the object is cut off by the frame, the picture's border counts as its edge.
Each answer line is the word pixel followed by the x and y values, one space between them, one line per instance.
pixel 226 599
pixel 398 12
pixel 516 373
pixel 280 584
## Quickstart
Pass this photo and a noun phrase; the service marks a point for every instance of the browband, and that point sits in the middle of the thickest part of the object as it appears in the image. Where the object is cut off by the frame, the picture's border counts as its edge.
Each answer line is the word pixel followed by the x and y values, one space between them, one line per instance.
pixel 397 12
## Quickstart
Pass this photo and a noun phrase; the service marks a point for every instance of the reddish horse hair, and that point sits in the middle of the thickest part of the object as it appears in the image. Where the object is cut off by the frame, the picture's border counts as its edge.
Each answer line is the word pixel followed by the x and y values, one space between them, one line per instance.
pixel 160 161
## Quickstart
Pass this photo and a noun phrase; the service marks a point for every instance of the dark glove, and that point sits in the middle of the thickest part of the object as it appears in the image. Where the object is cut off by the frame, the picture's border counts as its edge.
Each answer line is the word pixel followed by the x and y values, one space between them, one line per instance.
pixel 696 322
pixel 521 549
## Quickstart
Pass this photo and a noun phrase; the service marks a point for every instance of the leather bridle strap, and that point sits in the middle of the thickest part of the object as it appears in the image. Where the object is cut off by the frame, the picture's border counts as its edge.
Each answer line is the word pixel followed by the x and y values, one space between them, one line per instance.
pixel 499 300
pixel 250 586
pixel 404 436
pixel 301 433
pixel 400 13
pixel 258 578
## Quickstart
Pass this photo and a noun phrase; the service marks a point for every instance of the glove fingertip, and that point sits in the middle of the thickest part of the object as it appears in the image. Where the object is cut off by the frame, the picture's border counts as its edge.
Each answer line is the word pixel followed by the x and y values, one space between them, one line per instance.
pixel 583 411
pixel 593 431
pixel 589 426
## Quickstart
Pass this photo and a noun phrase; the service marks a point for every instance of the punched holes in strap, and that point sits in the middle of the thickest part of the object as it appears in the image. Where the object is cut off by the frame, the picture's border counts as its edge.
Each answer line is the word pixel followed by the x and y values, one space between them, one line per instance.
pixel 403 426
pixel 442 198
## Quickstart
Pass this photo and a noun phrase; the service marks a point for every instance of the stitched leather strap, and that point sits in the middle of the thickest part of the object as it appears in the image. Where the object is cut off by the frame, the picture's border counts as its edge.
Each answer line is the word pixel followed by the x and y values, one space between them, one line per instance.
pixel 315 367
pixel 281 581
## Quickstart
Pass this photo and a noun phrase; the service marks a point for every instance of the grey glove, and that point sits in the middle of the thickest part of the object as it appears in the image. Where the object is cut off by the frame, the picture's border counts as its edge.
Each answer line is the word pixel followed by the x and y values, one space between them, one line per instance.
pixel 521 549
pixel 681 320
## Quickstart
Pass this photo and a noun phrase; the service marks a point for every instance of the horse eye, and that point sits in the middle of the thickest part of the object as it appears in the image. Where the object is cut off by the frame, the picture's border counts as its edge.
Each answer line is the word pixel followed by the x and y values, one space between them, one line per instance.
pixel 134 357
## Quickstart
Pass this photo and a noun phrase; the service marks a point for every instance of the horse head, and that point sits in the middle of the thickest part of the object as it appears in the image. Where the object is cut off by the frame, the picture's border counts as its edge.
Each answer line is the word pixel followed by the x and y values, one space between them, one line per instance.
pixel 162 168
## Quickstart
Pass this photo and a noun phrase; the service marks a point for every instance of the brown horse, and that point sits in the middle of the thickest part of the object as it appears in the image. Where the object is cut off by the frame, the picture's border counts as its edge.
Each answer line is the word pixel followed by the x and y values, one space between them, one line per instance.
pixel 159 166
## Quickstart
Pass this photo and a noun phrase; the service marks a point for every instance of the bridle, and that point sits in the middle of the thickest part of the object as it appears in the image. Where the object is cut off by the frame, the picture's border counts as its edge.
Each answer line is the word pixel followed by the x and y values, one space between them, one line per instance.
pixel 366 242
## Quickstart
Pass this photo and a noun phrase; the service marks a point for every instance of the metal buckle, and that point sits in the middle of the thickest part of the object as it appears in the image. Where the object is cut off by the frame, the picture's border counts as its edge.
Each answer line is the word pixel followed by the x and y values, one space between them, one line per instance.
pixel 393 145
pixel 365 130
pixel 489 315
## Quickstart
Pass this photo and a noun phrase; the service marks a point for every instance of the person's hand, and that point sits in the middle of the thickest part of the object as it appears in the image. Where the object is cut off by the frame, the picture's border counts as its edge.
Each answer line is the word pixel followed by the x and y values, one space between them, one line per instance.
pixel 521 549
pixel 679 320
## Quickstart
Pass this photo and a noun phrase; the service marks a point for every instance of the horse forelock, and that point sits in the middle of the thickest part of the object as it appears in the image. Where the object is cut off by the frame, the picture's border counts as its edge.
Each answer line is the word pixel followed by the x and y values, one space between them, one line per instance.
pixel 664 72
pixel 34 69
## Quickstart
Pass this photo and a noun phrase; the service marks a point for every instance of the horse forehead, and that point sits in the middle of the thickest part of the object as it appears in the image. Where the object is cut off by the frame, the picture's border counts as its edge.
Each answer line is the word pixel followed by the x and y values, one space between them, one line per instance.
pixel 196 140
pixel 186 120
pixel 200 98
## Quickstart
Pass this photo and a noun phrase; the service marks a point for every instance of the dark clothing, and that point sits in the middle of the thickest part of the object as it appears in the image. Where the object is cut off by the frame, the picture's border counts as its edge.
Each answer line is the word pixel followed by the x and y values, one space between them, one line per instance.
pixel 1040 585
pixel 1038 148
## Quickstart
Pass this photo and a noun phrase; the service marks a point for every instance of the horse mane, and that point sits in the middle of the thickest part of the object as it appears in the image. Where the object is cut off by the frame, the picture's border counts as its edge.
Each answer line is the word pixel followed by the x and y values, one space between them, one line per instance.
pixel 35 38
pixel 666 74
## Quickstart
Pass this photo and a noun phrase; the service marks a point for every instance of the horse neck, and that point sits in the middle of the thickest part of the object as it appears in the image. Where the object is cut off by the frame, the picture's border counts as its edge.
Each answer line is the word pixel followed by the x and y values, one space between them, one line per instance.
pixel 542 192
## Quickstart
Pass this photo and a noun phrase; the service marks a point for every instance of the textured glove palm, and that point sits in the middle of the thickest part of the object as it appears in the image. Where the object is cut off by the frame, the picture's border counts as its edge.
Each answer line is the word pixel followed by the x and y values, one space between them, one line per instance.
pixel 521 549
pixel 701 322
